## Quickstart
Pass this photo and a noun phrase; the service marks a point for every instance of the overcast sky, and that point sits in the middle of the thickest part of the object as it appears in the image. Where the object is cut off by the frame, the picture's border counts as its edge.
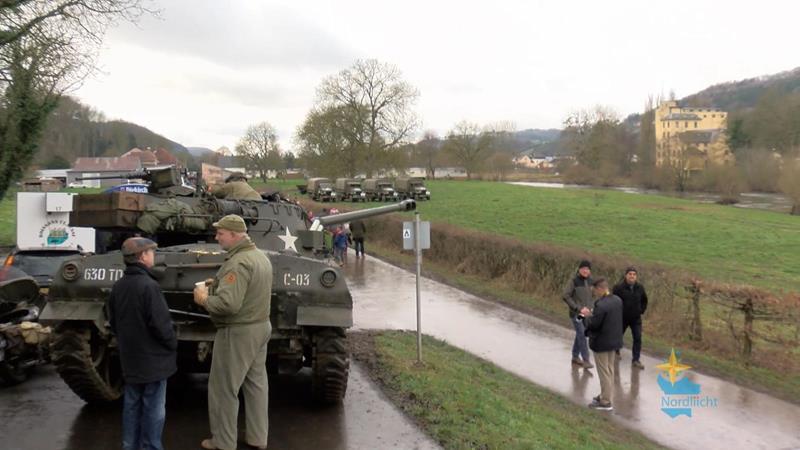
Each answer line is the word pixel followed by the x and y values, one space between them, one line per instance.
pixel 206 69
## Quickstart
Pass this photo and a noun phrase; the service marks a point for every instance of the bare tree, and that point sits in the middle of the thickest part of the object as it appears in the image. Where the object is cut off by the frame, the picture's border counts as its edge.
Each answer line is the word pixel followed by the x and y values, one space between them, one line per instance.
pixel 378 103
pixel 328 142
pixel 427 152
pixel 259 149
pixel 468 145
pixel 47 47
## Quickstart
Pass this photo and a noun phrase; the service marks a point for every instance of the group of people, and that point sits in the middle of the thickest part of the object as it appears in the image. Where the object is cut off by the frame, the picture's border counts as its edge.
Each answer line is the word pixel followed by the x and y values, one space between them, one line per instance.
pixel 237 300
pixel 345 236
pixel 603 316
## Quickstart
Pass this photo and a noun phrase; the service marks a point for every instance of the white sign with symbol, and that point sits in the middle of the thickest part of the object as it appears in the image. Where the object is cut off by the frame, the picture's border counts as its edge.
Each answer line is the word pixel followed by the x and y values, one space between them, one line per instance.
pixel 424 235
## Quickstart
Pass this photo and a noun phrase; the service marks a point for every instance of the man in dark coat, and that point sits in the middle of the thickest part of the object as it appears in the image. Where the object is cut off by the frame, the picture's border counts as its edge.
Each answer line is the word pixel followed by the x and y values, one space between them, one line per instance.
pixel 358 229
pixel 604 327
pixel 140 320
pixel 634 302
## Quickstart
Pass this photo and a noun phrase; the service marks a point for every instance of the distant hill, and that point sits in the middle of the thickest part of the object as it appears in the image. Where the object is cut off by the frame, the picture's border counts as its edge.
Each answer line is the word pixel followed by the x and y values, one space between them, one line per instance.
pixel 535 135
pixel 744 94
pixel 199 152
pixel 74 130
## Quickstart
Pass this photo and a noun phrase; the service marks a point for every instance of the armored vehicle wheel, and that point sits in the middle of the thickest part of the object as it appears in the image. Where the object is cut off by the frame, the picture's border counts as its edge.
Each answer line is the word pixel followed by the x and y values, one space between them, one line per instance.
pixel 11 374
pixel 330 365
pixel 86 363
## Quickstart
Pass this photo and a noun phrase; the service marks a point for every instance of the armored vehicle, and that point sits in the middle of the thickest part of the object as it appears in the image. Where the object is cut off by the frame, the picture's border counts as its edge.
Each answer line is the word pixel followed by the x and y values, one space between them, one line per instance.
pixel 379 189
pixel 321 190
pixel 311 304
pixel 412 188
pixel 350 189
pixel 23 342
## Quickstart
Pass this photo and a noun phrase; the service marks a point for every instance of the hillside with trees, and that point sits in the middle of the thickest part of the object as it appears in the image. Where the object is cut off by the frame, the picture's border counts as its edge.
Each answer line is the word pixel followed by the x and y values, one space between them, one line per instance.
pixel 74 129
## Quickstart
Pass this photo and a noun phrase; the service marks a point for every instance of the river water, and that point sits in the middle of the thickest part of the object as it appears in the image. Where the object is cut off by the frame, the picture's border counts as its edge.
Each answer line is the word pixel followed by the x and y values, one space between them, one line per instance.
pixel 751 200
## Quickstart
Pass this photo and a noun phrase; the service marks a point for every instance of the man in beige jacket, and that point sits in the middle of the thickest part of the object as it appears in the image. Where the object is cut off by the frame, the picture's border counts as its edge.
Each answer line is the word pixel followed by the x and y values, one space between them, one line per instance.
pixel 238 302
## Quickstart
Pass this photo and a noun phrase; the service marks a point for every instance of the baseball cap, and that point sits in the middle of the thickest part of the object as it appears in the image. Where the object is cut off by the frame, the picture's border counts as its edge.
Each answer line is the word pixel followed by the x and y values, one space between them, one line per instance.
pixel 231 222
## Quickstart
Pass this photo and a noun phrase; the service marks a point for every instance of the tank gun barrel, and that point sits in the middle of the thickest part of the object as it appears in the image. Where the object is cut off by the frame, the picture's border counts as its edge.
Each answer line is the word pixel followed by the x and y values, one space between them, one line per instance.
pixel 141 174
pixel 405 205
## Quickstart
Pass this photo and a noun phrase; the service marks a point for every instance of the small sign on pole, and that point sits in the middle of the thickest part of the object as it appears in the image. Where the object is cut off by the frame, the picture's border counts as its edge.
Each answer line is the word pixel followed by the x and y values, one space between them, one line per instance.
pixel 417 236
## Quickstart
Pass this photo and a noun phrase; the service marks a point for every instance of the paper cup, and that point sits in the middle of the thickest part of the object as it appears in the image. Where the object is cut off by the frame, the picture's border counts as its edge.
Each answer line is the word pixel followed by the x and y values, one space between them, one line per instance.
pixel 199 284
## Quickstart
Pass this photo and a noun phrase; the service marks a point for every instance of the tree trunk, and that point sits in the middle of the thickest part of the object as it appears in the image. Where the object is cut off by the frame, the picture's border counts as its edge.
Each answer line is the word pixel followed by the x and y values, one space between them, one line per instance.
pixel 795 209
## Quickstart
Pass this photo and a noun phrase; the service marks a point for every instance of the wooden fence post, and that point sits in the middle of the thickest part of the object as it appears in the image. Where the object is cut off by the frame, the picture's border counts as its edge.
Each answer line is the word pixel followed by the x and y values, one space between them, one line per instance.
pixel 695 324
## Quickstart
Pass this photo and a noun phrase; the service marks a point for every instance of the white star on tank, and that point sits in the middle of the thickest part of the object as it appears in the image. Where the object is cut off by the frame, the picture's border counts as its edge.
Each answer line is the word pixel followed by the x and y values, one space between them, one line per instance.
pixel 288 240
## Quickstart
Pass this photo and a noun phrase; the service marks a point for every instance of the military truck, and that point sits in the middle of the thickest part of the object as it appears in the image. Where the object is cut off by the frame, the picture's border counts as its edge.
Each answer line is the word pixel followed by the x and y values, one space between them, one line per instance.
pixel 321 190
pixel 412 188
pixel 311 304
pixel 350 189
pixel 379 189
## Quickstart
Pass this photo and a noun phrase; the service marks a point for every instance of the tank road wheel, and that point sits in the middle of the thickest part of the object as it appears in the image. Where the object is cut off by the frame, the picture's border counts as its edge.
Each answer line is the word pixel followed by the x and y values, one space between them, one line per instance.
pixel 11 374
pixel 330 365
pixel 87 364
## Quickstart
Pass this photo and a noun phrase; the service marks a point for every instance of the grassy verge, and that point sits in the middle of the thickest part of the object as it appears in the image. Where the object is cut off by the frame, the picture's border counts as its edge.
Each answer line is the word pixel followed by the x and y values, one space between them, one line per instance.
pixel 775 382
pixel 465 402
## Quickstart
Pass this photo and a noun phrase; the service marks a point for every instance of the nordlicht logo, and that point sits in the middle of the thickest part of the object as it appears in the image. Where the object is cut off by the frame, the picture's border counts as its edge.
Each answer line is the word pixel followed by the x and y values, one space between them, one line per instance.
pixel 680 393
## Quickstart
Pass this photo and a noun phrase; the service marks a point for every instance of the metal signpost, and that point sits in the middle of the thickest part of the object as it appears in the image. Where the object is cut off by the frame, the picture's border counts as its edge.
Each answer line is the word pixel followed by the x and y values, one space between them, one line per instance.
pixel 417 236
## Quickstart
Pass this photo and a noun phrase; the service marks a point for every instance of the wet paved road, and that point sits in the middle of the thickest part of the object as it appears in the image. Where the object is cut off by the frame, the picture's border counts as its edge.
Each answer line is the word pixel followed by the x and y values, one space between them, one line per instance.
pixel 43 414
pixel 539 351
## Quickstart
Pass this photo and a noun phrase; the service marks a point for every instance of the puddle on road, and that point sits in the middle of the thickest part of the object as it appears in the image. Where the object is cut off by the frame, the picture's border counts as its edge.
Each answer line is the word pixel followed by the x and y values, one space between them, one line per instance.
pixel 384 298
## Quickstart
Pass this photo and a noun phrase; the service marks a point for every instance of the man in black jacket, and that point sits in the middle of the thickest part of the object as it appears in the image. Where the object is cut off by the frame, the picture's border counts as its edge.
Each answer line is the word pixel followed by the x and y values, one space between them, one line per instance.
pixel 140 319
pixel 577 295
pixel 634 304
pixel 604 327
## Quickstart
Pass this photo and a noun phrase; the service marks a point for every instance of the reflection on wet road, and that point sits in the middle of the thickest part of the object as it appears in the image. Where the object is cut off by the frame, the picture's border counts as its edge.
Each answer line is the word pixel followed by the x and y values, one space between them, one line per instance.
pixel 384 297
pixel 44 414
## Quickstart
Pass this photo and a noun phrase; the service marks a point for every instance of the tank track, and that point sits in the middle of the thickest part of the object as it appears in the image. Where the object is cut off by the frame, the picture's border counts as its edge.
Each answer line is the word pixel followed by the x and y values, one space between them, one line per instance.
pixel 72 356
pixel 330 365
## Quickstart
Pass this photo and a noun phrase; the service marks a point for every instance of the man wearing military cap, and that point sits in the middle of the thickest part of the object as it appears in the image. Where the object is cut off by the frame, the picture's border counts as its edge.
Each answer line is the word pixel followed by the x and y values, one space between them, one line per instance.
pixel 238 302
pixel 139 318
pixel 236 188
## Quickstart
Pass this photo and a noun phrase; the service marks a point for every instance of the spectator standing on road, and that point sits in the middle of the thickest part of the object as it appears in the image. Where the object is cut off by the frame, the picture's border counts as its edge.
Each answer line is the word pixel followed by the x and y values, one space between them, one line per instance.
pixel 139 317
pixel 604 327
pixel 340 245
pixel 358 230
pixel 634 304
pixel 577 295
pixel 238 302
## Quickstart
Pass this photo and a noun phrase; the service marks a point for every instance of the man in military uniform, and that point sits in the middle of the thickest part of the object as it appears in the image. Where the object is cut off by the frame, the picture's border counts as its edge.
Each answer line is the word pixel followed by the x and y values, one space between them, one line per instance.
pixel 238 302
pixel 236 188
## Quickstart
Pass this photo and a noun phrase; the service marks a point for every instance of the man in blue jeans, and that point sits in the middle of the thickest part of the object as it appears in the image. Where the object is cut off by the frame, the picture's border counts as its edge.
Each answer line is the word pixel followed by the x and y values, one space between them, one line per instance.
pixel 140 320
pixel 578 295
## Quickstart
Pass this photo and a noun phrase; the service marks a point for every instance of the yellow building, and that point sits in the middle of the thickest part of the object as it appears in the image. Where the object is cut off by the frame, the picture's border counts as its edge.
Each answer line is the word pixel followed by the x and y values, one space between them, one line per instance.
pixel 690 138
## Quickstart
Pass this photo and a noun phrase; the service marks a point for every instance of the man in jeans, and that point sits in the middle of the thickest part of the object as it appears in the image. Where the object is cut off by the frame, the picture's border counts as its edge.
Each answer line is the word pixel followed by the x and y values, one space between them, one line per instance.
pixel 634 302
pixel 140 319
pixel 604 327
pixel 578 295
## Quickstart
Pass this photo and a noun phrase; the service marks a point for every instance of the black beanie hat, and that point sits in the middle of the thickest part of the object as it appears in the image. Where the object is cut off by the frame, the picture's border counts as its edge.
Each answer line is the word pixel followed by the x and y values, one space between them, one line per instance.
pixel 631 269
pixel 585 263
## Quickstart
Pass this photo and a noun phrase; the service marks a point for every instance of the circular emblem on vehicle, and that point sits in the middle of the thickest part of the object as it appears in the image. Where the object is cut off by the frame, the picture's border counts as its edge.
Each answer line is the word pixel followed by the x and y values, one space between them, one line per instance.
pixel 55 232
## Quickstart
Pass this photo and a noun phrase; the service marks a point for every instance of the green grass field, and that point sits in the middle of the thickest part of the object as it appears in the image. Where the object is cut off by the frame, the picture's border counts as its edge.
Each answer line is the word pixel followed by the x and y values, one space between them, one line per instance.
pixel 465 402
pixel 723 243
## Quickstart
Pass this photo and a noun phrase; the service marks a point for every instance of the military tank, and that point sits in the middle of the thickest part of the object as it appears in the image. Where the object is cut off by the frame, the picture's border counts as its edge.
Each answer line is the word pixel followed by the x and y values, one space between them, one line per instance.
pixel 311 304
